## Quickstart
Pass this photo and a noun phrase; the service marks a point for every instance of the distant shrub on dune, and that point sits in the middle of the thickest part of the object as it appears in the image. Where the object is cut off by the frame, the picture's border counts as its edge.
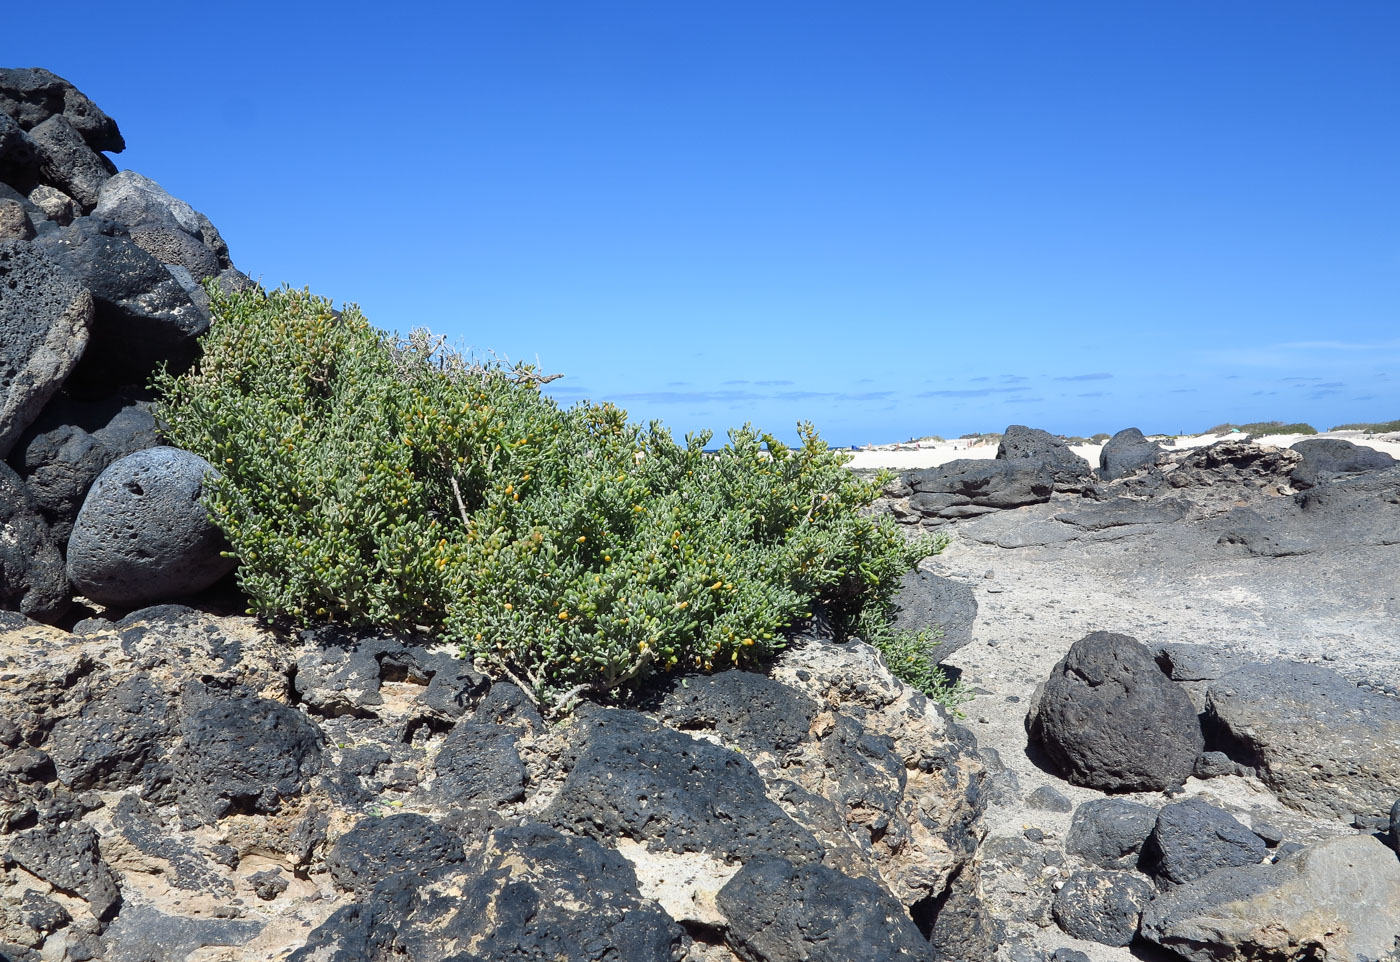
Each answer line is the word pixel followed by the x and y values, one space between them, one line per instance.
pixel 1100 438
pixel 1262 428
pixel 1372 427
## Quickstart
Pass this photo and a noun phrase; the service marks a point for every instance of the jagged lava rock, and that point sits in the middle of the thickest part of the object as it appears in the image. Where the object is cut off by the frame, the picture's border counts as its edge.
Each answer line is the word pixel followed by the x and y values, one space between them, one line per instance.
pixel 639 780
pixel 46 320
pixel 1193 837
pixel 1111 720
pixel 116 740
pixel 1126 452
pixel 1336 900
pixel 67 162
pixel 142 535
pixel 523 892
pixel 926 601
pixel 1071 472
pixel 31 95
pixel 1321 743
pixel 379 847
pixel 239 753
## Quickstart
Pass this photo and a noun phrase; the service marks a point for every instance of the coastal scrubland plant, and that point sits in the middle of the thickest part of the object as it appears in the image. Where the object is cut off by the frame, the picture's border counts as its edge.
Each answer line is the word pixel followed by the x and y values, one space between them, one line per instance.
pixel 1263 427
pixel 393 484
pixel 1370 427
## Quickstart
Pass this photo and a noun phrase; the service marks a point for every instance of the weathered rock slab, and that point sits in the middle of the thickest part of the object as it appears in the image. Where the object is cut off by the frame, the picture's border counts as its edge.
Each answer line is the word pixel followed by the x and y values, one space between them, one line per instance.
pixel 1321 743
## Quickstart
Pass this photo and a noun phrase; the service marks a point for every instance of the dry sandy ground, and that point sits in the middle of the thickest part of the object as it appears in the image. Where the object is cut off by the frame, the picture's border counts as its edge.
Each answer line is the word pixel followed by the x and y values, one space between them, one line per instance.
pixel 933 453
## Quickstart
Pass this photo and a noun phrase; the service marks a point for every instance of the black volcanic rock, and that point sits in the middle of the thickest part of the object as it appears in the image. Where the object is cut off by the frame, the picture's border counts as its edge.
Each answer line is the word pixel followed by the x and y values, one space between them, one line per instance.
pixel 1111 720
pixel 32 577
pixel 1071 472
pixel 636 779
pixel 1192 838
pixel 31 95
pixel 1126 452
pixel 780 912
pixel 968 487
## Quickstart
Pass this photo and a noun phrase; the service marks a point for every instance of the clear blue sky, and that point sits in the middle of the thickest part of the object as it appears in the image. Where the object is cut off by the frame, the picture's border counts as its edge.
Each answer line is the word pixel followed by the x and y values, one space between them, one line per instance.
pixel 892 219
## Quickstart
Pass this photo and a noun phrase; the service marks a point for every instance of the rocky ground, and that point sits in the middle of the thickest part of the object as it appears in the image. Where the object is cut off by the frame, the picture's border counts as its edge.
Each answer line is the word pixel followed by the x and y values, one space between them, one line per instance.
pixel 1223 571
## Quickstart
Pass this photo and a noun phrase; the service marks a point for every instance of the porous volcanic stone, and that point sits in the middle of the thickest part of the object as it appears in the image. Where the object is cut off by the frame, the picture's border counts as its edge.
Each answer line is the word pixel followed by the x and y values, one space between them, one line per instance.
pixel 117 738
pixel 780 912
pixel 67 162
pixel 68 856
pixel 526 892
pixel 746 708
pixel 1327 458
pixel 1111 720
pixel 379 847
pixel 478 765
pixel 45 321
pixel 1102 907
pixel 142 535
pixel 1193 837
pixel 1126 452
pixel 1322 744
pixel 167 228
pixel 636 779
pixel 143 318
pixel 240 753
pixel 31 95
pixel 1071 472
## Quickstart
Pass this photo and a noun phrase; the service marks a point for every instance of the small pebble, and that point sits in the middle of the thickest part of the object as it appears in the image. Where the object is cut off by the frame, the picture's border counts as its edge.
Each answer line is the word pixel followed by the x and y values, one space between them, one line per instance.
pixel 1034 835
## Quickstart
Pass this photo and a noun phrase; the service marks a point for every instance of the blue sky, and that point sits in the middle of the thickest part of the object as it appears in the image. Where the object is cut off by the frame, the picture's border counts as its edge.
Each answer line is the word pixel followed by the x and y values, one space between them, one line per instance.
pixel 892 219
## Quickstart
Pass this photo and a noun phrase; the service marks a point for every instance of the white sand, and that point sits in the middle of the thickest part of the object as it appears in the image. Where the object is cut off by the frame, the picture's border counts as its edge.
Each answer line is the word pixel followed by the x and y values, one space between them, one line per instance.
pixel 929 454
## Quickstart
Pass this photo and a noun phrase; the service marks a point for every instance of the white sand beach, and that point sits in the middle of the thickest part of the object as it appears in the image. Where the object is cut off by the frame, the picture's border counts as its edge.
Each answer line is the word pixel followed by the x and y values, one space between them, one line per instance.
pixel 928 454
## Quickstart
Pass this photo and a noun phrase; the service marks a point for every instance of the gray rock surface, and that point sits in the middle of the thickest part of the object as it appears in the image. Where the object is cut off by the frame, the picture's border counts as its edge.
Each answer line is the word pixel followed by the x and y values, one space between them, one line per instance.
pixel 377 848
pixel 1127 452
pixel 1335 900
pixel 928 602
pixel 478 765
pixel 1111 720
pixel 46 319
pixel 1325 459
pixel 167 228
pixel 142 535
pixel 68 856
pixel 55 204
pixel 1102 907
pixel 32 577
pixel 1321 743
pixel 14 221
pixel 1193 838
pixel 1071 472
pixel 969 487
pixel 1110 832
pixel 118 739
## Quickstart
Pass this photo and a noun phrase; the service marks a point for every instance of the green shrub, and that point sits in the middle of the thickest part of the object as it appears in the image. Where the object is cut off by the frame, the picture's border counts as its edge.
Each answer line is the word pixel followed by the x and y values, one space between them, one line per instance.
pixel 1370 427
pixel 1263 427
pixel 394 485
pixel 910 657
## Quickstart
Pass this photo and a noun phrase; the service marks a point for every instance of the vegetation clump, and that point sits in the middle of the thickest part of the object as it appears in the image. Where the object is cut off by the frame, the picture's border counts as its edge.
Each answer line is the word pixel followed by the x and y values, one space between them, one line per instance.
pixel 1263 427
pixel 393 484
pixel 1370 427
